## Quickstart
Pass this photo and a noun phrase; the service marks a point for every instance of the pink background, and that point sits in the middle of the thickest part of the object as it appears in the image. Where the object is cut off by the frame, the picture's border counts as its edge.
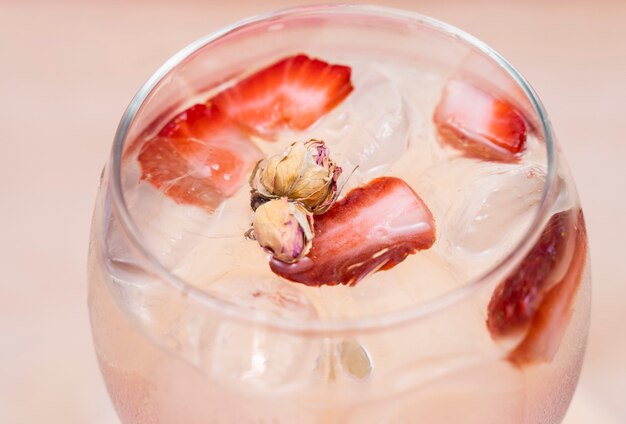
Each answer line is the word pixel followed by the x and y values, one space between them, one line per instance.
pixel 68 70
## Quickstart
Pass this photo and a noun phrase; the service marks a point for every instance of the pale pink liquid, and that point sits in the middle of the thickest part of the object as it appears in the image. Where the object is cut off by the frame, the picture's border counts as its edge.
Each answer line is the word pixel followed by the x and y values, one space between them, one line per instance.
pixel 167 360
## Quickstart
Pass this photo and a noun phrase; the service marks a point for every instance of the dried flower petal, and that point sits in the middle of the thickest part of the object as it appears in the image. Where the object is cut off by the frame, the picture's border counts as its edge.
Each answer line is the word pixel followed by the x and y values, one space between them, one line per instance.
pixel 283 228
pixel 303 173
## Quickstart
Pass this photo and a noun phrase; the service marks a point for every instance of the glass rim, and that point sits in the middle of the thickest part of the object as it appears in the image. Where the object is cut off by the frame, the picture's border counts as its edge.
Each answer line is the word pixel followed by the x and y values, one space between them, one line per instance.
pixel 330 326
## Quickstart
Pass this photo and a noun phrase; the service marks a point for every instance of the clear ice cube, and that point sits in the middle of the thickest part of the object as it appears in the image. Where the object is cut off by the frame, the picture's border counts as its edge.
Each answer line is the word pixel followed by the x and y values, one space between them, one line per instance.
pixel 259 358
pixel 496 204
pixel 496 208
pixel 170 231
pixel 225 349
pixel 370 129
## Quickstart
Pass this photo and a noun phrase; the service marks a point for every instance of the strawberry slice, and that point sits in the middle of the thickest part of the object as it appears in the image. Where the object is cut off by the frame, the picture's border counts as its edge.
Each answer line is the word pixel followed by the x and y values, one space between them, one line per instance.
pixel 199 121
pixel 292 93
pixel 198 158
pixel 536 300
pixel 374 227
pixel 479 124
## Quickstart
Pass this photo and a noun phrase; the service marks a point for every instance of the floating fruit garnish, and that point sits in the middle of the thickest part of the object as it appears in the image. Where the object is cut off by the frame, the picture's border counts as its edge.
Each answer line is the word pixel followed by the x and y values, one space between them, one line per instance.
pixel 199 158
pixel 372 228
pixel 479 124
pixel 536 299
pixel 291 93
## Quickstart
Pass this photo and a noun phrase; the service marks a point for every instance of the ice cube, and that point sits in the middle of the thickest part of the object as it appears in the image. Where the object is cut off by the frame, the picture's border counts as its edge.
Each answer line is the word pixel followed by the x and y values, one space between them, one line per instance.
pixel 246 355
pixel 497 204
pixel 164 314
pixel 370 129
pixel 267 295
pixel 170 230
pixel 225 349
pixel 495 210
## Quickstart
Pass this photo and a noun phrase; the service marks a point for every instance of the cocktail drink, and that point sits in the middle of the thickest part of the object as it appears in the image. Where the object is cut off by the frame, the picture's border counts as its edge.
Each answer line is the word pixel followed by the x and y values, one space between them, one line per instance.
pixel 338 214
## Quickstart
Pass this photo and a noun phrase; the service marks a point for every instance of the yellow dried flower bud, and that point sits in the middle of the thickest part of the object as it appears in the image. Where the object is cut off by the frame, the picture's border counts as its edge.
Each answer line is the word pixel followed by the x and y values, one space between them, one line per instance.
pixel 283 228
pixel 303 173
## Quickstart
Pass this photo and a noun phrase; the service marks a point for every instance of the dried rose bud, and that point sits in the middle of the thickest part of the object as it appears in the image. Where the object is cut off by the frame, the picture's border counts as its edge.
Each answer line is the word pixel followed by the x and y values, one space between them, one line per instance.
pixel 283 228
pixel 303 173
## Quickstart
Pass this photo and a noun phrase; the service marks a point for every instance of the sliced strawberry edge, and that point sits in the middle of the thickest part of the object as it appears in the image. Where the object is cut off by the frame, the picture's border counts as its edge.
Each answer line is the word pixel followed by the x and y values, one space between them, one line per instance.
pixel 499 135
pixel 273 93
pixel 198 158
pixel 550 323
pixel 515 300
pixel 340 258
pixel 536 300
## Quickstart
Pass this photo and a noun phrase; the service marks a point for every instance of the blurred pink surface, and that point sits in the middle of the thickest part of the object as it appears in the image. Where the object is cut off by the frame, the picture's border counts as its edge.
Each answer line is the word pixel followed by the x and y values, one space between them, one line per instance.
pixel 70 68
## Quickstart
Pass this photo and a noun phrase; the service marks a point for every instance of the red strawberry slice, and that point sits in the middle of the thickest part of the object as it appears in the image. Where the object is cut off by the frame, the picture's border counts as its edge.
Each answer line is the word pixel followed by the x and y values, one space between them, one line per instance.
pixel 536 300
pixel 479 124
pixel 292 93
pixel 199 121
pixel 198 158
pixel 374 227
